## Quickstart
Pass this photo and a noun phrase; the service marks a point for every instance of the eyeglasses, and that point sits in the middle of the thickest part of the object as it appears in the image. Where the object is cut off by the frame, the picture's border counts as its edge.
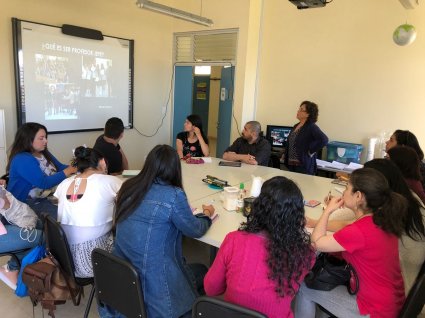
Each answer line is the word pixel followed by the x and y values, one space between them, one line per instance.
pixel 302 110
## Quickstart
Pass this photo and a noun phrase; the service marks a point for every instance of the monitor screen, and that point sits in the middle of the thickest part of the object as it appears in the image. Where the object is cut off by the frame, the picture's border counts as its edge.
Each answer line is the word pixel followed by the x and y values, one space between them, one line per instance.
pixel 278 135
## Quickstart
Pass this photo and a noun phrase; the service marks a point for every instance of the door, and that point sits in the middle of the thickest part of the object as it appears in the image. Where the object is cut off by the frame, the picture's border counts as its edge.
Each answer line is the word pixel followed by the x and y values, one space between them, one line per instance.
pixel 201 99
pixel 182 98
pixel 225 109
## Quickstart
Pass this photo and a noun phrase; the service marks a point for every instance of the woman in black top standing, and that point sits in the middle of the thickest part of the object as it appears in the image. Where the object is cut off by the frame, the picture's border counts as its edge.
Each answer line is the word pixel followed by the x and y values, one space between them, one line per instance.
pixel 192 141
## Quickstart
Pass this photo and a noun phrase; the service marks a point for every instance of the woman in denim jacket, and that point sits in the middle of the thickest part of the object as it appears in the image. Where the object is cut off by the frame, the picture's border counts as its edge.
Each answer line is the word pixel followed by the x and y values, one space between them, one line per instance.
pixel 152 215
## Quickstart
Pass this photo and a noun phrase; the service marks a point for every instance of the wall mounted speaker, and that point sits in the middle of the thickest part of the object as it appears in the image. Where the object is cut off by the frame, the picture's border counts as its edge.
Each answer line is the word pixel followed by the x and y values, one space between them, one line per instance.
pixel 82 32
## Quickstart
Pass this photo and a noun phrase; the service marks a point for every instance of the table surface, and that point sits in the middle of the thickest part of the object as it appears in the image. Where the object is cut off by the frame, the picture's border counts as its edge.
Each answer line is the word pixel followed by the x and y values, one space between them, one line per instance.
pixel 312 187
pixel 198 192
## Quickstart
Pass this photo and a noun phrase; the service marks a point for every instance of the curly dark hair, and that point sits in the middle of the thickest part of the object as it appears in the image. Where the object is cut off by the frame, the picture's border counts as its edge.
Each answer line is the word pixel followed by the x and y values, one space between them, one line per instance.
pixel 279 213
pixel 312 110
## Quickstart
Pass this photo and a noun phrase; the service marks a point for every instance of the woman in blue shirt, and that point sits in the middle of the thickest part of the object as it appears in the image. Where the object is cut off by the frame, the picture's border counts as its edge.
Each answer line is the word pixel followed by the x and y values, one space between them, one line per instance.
pixel 33 170
pixel 152 214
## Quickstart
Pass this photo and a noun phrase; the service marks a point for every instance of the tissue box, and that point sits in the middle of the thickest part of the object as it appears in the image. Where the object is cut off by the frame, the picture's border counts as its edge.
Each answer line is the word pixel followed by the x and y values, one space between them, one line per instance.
pixel 344 152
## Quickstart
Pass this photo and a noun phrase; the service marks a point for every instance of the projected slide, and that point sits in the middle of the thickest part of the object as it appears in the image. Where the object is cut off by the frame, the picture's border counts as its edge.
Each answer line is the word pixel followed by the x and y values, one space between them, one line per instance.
pixel 70 83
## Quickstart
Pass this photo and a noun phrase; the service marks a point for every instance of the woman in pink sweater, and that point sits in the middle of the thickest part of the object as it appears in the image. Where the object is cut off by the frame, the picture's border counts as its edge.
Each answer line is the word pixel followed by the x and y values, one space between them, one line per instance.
pixel 261 265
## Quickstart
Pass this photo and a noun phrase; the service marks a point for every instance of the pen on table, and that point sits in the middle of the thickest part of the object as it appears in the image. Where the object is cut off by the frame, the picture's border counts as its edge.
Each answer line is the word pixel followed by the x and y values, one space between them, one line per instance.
pixel 327 199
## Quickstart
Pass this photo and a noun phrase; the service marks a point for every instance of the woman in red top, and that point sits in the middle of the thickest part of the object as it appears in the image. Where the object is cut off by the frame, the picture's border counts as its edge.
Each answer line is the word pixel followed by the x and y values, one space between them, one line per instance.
pixel 370 245
pixel 261 265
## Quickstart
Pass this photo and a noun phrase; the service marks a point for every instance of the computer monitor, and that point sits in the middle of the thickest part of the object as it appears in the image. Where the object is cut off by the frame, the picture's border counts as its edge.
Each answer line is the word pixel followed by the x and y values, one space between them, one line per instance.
pixel 278 136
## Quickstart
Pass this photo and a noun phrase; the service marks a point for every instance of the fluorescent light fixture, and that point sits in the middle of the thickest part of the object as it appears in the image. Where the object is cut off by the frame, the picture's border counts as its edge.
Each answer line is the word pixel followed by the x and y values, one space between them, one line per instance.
pixel 176 13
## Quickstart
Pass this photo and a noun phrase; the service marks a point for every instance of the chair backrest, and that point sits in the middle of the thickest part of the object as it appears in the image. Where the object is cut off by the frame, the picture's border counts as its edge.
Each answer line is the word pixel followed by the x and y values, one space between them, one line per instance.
pixel 117 284
pixel 415 300
pixel 57 245
pixel 210 307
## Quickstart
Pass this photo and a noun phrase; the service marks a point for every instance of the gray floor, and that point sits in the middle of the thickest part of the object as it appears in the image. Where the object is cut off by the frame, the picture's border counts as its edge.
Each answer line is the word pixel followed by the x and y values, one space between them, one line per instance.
pixel 15 307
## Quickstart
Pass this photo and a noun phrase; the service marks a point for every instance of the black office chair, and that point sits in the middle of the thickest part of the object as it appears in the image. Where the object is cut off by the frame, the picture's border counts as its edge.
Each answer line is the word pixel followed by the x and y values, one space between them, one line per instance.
pixel 117 284
pixel 415 300
pixel 210 307
pixel 57 245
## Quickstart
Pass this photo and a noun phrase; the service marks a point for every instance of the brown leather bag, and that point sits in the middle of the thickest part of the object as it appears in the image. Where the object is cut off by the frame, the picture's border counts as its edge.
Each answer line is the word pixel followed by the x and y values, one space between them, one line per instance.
pixel 48 285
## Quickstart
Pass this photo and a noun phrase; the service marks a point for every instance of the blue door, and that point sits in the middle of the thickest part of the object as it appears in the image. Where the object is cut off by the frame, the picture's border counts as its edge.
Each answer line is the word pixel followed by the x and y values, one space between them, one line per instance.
pixel 201 99
pixel 225 109
pixel 182 98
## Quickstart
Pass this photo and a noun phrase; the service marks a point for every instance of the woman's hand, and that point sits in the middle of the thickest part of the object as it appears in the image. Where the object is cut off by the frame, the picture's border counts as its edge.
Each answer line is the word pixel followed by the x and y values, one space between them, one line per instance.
pixel 69 170
pixel 327 199
pixel 197 131
pixel 2 182
pixel 334 204
pixel 208 210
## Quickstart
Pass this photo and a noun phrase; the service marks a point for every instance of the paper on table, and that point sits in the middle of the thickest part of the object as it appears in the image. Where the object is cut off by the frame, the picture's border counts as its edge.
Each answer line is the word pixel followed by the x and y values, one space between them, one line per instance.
pixel 322 163
pixel 130 173
pixel 338 165
pixel 353 166
pixel 207 159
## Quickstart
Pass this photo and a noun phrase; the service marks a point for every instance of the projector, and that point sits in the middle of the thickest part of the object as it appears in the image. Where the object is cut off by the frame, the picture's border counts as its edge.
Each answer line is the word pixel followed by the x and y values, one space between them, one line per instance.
pixel 306 4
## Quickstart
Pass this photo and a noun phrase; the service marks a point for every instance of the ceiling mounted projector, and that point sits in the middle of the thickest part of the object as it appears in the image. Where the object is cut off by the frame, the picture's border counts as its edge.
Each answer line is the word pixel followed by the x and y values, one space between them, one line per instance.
pixel 307 4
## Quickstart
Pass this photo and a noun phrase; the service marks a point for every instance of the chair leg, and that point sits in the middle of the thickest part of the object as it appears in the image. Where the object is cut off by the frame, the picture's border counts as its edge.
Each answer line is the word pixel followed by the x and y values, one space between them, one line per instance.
pixel 89 302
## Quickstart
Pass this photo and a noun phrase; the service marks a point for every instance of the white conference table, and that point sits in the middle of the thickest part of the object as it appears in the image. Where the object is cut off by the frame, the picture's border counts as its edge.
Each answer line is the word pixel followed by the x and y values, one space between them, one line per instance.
pixel 198 192
pixel 312 187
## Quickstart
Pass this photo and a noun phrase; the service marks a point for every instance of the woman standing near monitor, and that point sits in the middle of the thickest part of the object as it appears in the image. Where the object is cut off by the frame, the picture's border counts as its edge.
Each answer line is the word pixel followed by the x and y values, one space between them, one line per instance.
pixel 305 140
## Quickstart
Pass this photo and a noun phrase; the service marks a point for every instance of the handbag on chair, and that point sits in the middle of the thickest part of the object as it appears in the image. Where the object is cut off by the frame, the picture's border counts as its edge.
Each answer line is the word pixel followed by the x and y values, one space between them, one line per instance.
pixel 329 272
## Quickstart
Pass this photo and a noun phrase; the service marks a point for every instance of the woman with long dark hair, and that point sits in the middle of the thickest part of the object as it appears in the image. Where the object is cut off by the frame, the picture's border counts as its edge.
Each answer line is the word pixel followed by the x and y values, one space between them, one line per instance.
pixel 369 244
pixel 305 140
pixel 411 244
pixel 86 207
pixel 33 170
pixel 406 159
pixel 152 214
pixel 407 138
pixel 192 141
pixel 261 265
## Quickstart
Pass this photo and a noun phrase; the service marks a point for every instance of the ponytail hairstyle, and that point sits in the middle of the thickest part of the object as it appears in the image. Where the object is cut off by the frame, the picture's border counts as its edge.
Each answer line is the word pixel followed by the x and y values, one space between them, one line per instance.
pixel 389 209
pixel 85 158
pixel 414 227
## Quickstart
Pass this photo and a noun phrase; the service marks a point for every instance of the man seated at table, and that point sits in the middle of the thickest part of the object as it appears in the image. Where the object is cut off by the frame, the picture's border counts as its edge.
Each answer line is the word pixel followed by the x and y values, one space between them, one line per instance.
pixel 108 145
pixel 252 148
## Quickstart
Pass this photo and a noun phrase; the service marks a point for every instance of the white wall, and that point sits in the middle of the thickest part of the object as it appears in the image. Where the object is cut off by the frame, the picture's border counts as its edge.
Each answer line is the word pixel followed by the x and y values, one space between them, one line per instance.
pixel 153 35
pixel 343 57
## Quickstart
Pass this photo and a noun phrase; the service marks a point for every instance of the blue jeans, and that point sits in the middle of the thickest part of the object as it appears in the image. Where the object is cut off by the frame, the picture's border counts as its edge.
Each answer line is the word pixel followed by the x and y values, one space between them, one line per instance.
pixel 17 238
pixel 337 301
pixel 43 206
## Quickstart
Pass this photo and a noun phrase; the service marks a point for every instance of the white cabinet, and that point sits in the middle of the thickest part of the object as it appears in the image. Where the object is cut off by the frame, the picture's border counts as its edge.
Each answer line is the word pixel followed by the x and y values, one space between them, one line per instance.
pixel 2 143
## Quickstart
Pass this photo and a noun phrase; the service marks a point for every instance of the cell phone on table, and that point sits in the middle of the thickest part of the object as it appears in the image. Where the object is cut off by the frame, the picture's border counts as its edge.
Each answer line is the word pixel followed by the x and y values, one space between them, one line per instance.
pixel 311 203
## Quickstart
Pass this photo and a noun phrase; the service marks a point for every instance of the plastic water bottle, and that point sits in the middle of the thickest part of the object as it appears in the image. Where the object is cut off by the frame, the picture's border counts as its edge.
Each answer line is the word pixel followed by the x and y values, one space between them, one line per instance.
pixel 241 197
